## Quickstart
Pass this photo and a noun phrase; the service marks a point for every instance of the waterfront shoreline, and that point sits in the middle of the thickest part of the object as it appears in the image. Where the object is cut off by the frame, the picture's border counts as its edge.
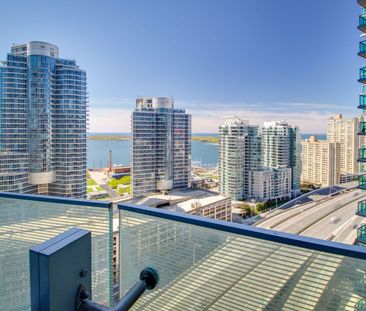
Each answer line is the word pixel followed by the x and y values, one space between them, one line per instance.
pixel 203 139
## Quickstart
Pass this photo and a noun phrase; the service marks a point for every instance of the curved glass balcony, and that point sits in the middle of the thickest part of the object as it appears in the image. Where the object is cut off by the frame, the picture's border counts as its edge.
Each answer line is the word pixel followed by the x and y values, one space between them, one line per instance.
pixel 362 154
pixel 362 23
pixel 362 101
pixel 362 128
pixel 362 49
pixel 362 182
pixel 361 209
pixel 362 3
pixel 362 78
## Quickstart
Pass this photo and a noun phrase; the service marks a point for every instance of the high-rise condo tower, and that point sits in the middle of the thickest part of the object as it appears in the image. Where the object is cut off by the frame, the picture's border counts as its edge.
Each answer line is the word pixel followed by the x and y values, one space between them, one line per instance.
pixel 161 146
pixel 43 121
pixel 281 148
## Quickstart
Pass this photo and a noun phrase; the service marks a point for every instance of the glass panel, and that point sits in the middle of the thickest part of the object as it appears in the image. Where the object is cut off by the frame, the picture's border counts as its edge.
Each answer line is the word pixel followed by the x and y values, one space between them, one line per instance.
pixel 202 268
pixel 361 236
pixel 25 223
pixel 363 128
pixel 362 153
pixel 362 46
pixel 362 208
pixel 362 100
pixel 363 73
pixel 362 182
pixel 362 20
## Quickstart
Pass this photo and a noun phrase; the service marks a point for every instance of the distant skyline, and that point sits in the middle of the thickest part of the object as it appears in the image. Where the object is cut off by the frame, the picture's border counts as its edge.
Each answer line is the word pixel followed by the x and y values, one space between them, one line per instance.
pixel 258 60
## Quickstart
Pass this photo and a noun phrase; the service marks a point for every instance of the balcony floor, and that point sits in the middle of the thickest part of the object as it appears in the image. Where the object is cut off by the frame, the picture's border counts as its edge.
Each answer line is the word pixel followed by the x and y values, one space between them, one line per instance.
pixel 362 28
pixel 362 3
pixel 362 54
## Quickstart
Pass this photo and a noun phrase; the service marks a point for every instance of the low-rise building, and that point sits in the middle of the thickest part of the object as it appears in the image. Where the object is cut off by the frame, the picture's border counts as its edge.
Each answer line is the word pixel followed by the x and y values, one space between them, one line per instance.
pixel 269 184
pixel 194 202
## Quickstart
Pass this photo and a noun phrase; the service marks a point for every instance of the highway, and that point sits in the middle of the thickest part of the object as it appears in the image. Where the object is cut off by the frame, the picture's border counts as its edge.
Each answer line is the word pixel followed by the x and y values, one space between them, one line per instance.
pixel 330 218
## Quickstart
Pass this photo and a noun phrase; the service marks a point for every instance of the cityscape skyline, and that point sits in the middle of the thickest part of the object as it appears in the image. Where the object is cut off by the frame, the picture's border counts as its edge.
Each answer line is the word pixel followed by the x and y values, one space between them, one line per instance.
pixel 247 213
pixel 289 72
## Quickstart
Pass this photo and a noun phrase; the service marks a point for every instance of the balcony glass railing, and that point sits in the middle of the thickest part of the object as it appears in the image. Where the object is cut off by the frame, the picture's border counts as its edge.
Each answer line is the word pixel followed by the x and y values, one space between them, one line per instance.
pixel 361 210
pixel 362 75
pixel 362 48
pixel 362 128
pixel 362 154
pixel 205 264
pixel 361 236
pixel 362 22
pixel 362 101
pixel 28 220
pixel 360 306
pixel 362 182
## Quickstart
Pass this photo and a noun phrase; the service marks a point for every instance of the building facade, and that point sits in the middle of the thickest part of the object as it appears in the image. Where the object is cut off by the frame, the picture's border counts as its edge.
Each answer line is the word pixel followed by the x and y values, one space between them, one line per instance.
pixel 344 131
pixel 239 152
pixel 43 122
pixel 320 162
pixel 281 148
pixel 161 146
pixel 361 157
pixel 216 207
pixel 269 184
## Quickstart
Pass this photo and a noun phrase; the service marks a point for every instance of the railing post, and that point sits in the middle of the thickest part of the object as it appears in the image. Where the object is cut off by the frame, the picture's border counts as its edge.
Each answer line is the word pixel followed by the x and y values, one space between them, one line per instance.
pixel 60 270
pixel 57 268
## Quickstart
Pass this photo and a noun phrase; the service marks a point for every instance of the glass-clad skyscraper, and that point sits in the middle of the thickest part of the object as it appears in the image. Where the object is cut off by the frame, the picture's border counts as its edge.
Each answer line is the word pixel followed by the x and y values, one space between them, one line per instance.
pixel 161 146
pixel 43 121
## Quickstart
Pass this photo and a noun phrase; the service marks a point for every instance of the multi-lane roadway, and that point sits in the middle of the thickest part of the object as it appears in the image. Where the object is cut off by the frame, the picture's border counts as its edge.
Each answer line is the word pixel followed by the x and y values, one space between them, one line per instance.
pixel 331 218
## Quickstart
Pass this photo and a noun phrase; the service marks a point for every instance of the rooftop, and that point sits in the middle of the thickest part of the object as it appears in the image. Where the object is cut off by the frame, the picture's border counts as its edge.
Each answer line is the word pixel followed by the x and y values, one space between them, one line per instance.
pixel 180 201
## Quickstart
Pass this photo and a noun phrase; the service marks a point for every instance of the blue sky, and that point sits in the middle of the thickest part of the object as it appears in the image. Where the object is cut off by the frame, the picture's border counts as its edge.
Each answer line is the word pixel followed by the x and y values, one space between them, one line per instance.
pixel 257 59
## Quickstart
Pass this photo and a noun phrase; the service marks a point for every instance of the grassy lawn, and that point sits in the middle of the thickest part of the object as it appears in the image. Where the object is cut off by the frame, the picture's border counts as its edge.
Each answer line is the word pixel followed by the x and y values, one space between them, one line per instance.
pixel 91 182
pixel 121 191
pixel 89 189
pixel 98 188
pixel 113 183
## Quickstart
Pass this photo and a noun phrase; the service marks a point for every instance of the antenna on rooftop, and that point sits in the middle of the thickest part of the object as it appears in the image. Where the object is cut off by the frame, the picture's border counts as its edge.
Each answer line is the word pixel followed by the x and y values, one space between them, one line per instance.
pixel 110 161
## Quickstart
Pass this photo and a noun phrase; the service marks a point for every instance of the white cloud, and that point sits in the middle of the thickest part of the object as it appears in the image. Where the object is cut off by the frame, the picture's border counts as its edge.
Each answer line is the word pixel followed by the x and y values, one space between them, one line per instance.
pixel 207 117
pixel 310 122
pixel 109 120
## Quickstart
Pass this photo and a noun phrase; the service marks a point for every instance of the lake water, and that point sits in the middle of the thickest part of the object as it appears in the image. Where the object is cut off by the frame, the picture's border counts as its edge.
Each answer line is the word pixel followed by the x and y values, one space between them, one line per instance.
pixel 98 151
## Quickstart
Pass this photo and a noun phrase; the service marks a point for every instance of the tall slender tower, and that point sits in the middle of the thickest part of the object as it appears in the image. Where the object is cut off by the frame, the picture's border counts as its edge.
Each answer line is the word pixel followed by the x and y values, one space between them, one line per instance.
pixel 43 120
pixel 161 146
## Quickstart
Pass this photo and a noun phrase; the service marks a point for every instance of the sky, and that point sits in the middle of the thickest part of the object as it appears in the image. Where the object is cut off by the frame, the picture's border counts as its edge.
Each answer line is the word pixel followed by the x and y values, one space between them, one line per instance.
pixel 260 60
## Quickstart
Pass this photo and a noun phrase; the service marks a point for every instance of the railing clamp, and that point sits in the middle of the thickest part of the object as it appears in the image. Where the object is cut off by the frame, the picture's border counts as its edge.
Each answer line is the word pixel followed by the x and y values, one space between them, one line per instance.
pixel 148 280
